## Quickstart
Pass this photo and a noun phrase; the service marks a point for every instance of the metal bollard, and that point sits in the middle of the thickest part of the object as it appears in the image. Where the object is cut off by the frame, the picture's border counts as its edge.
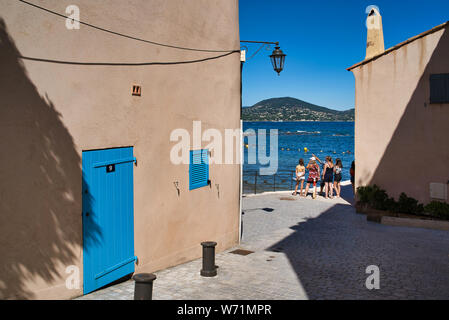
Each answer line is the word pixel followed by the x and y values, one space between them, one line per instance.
pixel 209 268
pixel 143 286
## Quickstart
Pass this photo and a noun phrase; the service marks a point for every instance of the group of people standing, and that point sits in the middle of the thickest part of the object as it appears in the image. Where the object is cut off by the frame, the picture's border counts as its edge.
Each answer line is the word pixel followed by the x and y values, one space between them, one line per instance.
pixel 330 174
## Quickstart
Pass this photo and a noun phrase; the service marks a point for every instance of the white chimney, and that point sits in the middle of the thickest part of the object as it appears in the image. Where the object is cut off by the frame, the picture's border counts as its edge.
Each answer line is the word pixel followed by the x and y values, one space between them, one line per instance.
pixel 375 42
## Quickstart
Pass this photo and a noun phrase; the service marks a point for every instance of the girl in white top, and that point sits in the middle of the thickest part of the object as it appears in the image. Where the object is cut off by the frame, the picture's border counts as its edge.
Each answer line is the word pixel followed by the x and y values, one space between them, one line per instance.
pixel 300 177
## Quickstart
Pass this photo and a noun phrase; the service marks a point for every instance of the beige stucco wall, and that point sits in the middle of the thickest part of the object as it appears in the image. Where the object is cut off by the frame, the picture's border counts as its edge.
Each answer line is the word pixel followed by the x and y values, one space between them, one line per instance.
pixel 50 113
pixel 400 138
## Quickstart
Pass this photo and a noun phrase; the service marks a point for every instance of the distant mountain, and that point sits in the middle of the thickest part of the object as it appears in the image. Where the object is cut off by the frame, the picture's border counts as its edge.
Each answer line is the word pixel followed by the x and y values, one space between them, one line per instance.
pixel 291 109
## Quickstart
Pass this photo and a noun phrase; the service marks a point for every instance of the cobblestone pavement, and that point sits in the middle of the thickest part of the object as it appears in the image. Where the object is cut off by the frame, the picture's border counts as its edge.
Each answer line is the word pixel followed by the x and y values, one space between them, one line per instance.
pixel 311 249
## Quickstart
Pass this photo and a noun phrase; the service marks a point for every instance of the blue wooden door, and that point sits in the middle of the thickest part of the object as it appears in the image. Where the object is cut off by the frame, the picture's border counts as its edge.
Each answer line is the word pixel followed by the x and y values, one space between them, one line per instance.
pixel 108 223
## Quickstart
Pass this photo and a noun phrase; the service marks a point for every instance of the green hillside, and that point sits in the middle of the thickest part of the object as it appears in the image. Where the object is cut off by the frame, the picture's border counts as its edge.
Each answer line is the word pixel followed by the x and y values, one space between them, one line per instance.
pixel 291 109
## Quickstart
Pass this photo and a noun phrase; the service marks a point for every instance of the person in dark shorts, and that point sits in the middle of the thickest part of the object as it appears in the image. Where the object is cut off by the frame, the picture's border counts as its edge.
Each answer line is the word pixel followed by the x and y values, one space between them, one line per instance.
pixel 337 176
pixel 352 173
pixel 328 178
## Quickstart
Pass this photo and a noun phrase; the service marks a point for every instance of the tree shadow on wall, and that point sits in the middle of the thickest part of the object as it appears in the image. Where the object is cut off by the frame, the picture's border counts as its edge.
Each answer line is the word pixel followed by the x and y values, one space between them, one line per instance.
pixel 40 188
pixel 419 138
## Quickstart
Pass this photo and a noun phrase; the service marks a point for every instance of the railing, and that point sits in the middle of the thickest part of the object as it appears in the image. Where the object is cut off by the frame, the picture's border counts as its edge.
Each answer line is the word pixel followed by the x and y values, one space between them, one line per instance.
pixel 255 183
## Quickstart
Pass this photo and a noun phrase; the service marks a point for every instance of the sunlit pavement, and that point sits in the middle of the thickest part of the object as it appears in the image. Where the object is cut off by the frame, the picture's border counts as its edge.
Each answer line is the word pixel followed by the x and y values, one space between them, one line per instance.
pixel 311 249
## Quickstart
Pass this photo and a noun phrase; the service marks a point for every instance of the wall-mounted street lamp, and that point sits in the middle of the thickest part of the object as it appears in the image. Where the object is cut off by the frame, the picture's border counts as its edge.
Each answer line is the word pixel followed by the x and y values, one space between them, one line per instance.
pixel 277 57
pixel 277 60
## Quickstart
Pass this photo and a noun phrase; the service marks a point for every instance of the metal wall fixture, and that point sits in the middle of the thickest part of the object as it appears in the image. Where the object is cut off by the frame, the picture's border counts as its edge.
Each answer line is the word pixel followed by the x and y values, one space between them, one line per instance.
pixel 176 183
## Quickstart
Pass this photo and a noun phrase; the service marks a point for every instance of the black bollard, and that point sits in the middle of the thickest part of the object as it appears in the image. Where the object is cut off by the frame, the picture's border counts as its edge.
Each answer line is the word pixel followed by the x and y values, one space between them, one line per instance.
pixel 143 286
pixel 209 268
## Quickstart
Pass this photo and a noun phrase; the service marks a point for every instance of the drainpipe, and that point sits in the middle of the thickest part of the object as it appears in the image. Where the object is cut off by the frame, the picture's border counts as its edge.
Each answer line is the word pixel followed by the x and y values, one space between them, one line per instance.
pixel 242 60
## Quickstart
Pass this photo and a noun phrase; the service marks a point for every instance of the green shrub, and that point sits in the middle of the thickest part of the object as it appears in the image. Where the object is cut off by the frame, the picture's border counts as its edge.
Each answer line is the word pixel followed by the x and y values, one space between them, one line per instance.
pixel 372 196
pixel 378 199
pixel 438 209
pixel 391 205
pixel 409 205
pixel 363 194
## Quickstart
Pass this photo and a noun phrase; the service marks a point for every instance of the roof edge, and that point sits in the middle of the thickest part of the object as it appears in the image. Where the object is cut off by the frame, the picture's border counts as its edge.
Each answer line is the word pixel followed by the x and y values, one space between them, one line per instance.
pixel 396 47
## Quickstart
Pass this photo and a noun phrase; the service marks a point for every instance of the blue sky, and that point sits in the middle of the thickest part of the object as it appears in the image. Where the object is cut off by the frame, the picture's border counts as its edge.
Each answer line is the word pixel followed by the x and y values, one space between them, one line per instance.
pixel 322 39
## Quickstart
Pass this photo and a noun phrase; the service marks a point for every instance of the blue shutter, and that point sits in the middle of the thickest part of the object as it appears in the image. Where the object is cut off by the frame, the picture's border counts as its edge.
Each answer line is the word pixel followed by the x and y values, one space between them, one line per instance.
pixel 198 169
pixel 439 88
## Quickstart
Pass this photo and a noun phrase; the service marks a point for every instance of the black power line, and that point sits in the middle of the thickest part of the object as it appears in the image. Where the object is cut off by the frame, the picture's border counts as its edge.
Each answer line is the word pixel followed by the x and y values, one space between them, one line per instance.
pixel 130 64
pixel 121 34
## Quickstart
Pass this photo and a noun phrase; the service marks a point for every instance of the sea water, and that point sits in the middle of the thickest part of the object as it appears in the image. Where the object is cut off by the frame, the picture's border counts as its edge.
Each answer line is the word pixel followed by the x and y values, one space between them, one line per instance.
pixel 334 139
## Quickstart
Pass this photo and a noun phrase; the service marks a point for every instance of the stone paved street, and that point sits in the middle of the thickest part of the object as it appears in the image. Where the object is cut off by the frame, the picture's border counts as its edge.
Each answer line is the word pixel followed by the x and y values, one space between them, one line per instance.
pixel 311 249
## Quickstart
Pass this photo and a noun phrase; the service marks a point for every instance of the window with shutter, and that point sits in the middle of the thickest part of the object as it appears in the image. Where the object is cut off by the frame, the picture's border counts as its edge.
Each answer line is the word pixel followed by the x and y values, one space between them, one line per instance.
pixel 198 169
pixel 439 88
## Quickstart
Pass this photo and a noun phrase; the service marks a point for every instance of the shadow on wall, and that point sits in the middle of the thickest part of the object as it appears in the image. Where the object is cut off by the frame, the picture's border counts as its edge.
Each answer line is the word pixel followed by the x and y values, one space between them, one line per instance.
pixel 40 188
pixel 418 152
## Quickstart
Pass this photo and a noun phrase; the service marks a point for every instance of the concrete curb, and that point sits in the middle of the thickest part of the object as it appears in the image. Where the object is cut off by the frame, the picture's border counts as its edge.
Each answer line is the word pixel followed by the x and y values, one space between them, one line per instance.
pixel 415 223
pixel 385 218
